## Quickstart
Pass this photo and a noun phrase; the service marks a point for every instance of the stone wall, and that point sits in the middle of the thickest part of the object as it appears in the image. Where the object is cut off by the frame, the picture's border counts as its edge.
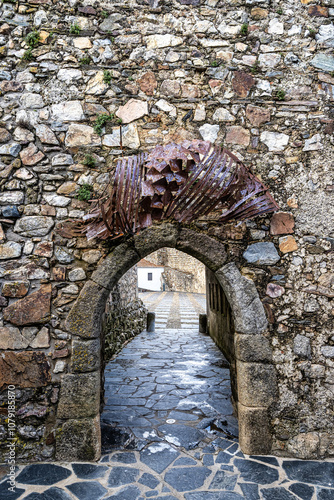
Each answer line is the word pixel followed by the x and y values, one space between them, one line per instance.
pixel 182 272
pixel 220 325
pixel 254 75
pixel 125 315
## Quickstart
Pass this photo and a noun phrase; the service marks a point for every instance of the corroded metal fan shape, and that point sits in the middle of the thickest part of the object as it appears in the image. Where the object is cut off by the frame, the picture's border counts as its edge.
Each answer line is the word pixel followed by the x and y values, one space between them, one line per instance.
pixel 180 182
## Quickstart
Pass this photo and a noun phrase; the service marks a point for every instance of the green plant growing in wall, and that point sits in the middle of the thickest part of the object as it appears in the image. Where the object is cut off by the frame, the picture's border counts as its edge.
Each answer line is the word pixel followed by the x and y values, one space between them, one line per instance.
pixel 85 192
pixel 312 32
pixel 33 38
pixel 107 76
pixel 214 64
pixel 85 60
pixel 244 29
pixel 255 68
pixel 28 56
pixel 75 29
pixel 104 14
pixel 100 122
pixel 89 161
pixel 280 94
pixel 279 11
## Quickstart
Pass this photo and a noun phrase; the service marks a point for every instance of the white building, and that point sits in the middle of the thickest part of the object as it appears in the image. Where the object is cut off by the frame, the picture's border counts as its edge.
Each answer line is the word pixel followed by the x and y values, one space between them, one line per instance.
pixel 150 276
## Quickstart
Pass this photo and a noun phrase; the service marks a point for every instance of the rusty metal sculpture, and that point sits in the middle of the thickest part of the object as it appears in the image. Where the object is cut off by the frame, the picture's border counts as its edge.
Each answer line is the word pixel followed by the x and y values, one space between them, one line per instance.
pixel 179 182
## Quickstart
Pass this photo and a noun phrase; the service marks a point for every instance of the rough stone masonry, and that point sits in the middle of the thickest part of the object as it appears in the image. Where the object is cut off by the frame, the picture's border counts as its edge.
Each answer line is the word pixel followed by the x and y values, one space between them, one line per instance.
pixel 254 75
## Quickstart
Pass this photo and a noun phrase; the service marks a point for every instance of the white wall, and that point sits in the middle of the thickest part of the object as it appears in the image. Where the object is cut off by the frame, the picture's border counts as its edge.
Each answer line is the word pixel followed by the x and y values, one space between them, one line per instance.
pixel 154 285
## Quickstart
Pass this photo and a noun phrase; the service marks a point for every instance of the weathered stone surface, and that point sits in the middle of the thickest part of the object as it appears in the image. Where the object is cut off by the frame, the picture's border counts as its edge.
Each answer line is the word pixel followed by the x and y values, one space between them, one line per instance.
pixel 79 396
pixel 24 174
pixel 68 111
pixel 282 223
pixel 16 289
pixel 31 155
pixel 183 479
pixel 111 23
pixel 223 115
pixel 261 253
pixel 270 60
pixel 313 144
pixel 32 101
pixel 41 340
pixel 10 250
pixel 4 135
pixel 259 13
pixel 56 200
pixel 328 351
pixel 63 255
pixel 10 149
pixel 120 260
pixel 254 433
pixel 274 290
pixel 46 135
pixel 133 110
pixel 24 369
pixel 160 41
pixel 11 198
pixel 275 27
pixel 317 11
pixel 11 338
pixel 257 385
pixel 84 319
pixel 325 62
pixel 257 115
pixel 91 256
pixel 275 141
pixel 68 188
pixel 86 355
pixel 96 85
pixel 82 42
pixel 248 312
pixel 302 346
pixel 252 349
pixel 200 113
pixel 130 137
pixel 35 308
pixel 76 274
pixel 62 159
pixel 69 75
pixel 287 244
pixel 196 245
pixel 209 132
pixel 148 83
pixel 237 135
pixel 79 440
pixel 81 135
pixel 158 456
pixel 31 226
pixel 170 88
pixel 23 270
pixel 242 83
pixel 23 135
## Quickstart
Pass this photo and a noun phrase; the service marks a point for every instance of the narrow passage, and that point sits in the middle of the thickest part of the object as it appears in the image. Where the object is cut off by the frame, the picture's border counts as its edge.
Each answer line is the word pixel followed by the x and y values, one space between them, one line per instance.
pixel 172 385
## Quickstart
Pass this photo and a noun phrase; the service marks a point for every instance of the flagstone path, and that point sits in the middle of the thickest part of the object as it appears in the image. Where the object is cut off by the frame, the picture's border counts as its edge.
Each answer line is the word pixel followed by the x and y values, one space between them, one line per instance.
pixel 168 429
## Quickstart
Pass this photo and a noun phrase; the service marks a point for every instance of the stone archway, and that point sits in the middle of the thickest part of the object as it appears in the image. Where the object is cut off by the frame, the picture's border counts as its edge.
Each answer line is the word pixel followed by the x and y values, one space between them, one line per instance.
pixel 78 409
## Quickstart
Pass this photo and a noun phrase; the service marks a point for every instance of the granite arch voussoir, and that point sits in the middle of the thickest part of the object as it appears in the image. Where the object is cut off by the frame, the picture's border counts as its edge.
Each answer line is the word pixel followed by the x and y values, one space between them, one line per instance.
pixel 84 319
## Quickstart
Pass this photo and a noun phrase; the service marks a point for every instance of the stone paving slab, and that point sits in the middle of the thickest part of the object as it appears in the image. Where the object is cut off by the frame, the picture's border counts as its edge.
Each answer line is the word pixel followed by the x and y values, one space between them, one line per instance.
pixel 170 434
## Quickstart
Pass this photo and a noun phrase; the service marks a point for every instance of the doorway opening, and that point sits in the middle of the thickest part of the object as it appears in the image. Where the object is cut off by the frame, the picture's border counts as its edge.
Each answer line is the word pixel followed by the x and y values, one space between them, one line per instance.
pixel 255 380
pixel 170 386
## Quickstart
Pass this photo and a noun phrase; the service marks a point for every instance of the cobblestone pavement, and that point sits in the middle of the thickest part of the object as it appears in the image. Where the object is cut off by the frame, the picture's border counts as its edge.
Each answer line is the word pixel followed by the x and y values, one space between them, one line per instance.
pixel 168 428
